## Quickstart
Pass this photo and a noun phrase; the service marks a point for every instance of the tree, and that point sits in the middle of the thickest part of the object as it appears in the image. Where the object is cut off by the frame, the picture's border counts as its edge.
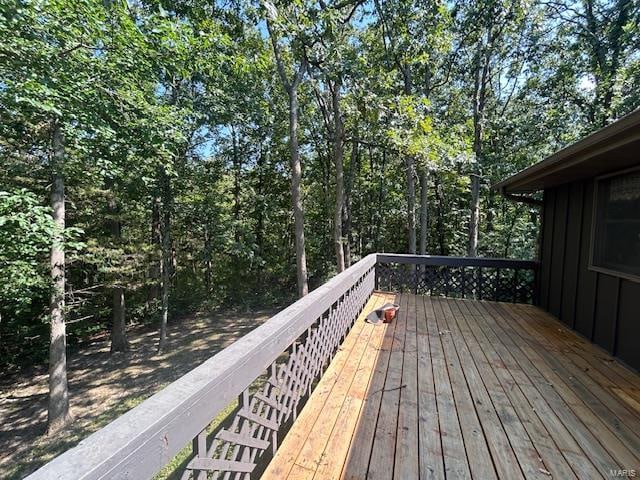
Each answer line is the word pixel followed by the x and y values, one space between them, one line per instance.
pixel 598 38
pixel 416 41
pixel 59 414
pixel 50 87
pixel 333 56
pixel 291 87
pixel 494 24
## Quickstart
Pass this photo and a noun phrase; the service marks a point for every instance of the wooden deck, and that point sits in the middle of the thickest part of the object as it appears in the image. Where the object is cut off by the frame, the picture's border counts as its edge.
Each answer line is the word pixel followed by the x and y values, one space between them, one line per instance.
pixel 465 389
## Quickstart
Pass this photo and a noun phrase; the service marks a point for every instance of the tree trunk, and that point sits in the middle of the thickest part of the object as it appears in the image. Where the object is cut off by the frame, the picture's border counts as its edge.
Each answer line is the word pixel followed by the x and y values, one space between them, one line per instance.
pixel 472 250
pixel 424 185
pixel 347 239
pixel 605 54
pixel 411 202
pixel 296 167
pixel 58 412
pixel 379 220
pixel 119 341
pixel 165 228
pixel 353 168
pixel 439 195
pixel 410 166
pixel 260 208
pixel 296 193
pixel 155 270
pixel 207 258
pixel 338 155
pixel 237 170
pixel 491 200
pixel 480 83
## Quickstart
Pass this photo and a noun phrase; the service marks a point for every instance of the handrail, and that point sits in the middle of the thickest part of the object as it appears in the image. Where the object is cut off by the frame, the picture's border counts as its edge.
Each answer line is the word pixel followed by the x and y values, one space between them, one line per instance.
pixel 455 261
pixel 140 442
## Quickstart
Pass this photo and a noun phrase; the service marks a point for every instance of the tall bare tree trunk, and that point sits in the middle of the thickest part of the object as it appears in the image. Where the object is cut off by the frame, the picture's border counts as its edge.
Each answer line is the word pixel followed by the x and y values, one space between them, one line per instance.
pixel 119 342
pixel 207 257
pixel 410 170
pixel 155 269
pixel 424 186
pixel 440 213
pixel 58 412
pixel 490 204
pixel 411 202
pixel 354 167
pixel 237 171
pixel 378 222
pixel 260 209
pixel 480 85
pixel 296 193
pixel 346 245
pixel 474 218
pixel 296 167
pixel 338 155
pixel 167 256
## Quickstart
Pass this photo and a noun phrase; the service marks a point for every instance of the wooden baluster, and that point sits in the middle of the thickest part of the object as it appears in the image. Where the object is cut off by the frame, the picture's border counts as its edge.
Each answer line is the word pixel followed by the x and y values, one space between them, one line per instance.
pixel 200 451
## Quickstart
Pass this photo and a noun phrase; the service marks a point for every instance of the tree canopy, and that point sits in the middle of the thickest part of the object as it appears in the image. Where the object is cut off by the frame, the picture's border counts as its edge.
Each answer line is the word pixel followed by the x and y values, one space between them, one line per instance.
pixel 233 152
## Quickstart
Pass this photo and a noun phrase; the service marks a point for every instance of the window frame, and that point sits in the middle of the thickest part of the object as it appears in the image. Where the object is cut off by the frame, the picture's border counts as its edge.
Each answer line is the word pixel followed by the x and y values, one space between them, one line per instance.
pixel 594 219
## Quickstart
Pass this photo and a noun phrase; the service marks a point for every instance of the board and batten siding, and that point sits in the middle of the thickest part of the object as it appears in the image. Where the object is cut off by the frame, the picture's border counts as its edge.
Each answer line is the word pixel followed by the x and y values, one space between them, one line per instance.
pixel 604 308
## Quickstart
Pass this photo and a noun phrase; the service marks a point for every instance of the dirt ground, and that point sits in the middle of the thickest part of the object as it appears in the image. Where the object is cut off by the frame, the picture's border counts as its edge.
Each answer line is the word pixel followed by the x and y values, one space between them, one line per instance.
pixel 102 387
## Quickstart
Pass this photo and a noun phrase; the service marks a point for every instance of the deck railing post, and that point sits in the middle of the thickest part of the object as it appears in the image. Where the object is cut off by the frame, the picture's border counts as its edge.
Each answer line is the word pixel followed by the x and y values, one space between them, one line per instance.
pixel 376 270
pixel 535 294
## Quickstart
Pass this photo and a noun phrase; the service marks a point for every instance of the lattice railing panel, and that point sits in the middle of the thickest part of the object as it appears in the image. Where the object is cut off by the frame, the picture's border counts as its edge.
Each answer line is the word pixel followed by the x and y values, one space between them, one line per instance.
pixel 274 399
pixel 475 282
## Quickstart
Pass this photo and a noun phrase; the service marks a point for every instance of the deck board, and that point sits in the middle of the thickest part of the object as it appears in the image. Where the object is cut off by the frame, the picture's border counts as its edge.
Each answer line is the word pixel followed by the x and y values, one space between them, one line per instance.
pixel 546 363
pixel 453 448
pixel 541 455
pixel 407 464
pixel 384 444
pixel 465 389
pixel 502 456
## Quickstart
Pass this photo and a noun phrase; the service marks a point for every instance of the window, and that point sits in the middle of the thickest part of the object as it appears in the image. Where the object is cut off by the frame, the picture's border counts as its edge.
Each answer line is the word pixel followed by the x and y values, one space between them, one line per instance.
pixel 616 234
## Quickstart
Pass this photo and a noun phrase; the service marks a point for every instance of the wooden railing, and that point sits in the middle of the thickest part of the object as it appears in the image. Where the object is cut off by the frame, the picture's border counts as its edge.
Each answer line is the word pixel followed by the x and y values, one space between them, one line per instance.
pixel 498 279
pixel 269 373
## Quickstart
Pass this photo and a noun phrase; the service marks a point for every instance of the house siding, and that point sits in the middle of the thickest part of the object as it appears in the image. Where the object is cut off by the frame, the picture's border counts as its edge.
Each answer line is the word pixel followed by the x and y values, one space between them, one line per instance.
pixel 603 308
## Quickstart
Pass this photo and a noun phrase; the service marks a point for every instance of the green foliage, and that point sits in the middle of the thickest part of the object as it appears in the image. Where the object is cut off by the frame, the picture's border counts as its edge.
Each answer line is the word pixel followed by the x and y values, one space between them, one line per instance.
pixel 26 229
pixel 177 106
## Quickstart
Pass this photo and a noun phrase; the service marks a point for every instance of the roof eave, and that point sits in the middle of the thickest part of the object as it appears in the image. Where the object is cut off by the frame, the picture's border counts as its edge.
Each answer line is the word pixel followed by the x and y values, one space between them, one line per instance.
pixel 594 144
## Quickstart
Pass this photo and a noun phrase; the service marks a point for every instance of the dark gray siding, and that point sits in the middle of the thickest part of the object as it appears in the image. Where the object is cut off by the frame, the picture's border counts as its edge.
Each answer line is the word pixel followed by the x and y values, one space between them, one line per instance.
pixel 603 308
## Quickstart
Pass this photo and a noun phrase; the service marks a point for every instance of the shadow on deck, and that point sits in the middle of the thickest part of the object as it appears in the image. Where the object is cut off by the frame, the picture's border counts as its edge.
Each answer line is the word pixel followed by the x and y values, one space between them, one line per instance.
pixel 461 389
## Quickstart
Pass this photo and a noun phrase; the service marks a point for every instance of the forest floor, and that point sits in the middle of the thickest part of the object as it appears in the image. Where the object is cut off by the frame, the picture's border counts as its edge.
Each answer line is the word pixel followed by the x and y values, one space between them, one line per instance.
pixel 103 387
